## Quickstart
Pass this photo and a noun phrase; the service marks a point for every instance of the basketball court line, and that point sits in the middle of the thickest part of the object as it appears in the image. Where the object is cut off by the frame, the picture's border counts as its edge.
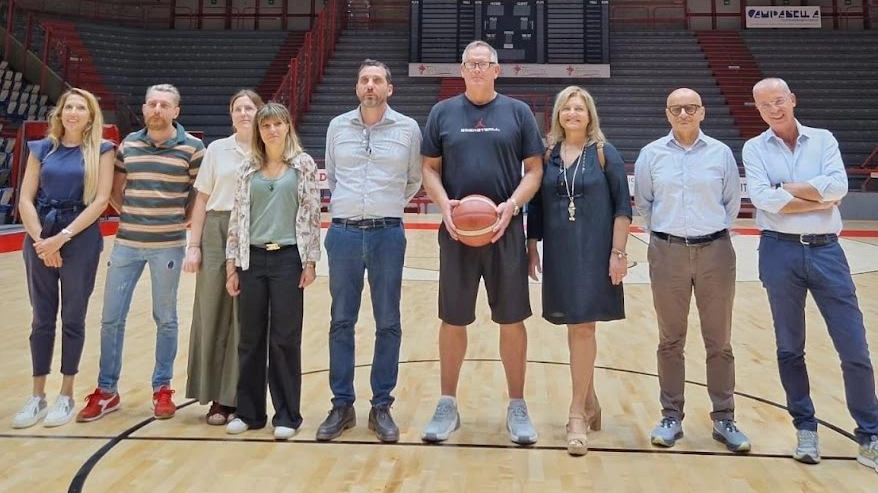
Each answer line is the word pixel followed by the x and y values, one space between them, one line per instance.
pixel 78 482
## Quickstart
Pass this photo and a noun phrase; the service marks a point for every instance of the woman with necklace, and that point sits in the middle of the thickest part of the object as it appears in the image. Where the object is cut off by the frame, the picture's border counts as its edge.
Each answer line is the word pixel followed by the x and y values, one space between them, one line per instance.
pixel 66 187
pixel 581 213
pixel 213 337
pixel 271 256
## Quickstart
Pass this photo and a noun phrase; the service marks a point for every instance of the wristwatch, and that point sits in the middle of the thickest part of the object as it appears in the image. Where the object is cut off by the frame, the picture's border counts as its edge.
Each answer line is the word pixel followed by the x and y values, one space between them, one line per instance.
pixel 517 208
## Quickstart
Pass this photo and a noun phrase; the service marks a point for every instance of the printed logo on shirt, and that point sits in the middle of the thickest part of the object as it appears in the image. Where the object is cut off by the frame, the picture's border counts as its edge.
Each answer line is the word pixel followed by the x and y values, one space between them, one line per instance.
pixel 479 127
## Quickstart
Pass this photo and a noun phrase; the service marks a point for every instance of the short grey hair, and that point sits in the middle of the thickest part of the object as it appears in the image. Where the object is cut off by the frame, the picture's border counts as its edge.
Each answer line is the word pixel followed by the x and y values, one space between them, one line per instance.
pixel 771 82
pixel 168 88
pixel 479 44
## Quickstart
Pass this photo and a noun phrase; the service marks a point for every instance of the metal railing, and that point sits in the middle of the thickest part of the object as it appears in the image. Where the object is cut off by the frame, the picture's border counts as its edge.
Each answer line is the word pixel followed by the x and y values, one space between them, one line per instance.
pixel 54 53
pixel 306 68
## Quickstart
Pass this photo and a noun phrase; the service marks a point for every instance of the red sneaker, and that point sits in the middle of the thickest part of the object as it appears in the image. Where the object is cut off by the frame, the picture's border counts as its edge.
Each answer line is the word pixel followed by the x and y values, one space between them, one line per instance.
pixel 162 403
pixel 98 403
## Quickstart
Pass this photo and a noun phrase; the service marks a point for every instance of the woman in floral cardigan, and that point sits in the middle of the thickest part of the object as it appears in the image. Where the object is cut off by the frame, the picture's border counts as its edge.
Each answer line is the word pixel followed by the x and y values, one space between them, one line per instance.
pixel 272 250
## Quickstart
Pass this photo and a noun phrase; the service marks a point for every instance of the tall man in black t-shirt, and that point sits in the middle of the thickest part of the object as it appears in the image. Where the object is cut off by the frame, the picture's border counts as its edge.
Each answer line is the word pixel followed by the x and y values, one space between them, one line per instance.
pixel 475 143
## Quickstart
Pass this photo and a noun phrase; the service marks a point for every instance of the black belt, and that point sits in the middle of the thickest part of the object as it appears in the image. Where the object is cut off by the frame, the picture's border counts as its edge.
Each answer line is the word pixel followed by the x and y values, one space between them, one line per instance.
pixel 271 247
pixel 691 240
pixel 806 239
pixel 381 222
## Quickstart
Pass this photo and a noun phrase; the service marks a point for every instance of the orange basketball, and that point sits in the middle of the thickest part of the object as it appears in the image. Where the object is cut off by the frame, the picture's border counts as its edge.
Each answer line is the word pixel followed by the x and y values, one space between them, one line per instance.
pixel 474 220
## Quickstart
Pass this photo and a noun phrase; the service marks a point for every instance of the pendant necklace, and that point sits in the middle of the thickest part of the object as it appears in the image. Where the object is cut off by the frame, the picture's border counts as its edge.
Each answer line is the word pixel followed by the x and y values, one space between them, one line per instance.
pixel 269 182
pixel 570 187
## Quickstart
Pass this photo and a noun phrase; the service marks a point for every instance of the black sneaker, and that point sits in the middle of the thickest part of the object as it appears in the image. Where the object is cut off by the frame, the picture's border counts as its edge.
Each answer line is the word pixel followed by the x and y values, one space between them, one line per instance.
pixel 381 422
pixel 339 420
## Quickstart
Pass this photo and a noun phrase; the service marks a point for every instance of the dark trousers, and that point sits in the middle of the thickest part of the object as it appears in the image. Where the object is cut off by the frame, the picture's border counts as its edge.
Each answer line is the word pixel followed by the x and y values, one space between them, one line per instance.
pixel 789 270
pixel 270 311
pixel 76 277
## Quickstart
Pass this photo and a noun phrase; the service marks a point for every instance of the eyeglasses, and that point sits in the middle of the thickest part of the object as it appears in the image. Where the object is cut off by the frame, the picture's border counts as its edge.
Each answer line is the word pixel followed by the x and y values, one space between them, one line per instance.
pixel 777 103
pixel 481 65
pixel 678 109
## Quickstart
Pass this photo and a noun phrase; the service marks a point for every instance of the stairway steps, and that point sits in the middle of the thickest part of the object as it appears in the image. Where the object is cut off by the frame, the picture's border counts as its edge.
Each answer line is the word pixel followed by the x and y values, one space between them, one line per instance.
pixel 735 71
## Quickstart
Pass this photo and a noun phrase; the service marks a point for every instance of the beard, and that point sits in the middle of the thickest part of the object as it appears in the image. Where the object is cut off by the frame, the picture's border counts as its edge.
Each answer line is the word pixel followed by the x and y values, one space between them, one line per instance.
pixel 157 124
pixel 372 102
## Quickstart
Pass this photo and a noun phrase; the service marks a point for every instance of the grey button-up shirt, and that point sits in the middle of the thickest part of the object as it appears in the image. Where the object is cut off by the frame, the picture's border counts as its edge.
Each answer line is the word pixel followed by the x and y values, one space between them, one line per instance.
pixel 372 171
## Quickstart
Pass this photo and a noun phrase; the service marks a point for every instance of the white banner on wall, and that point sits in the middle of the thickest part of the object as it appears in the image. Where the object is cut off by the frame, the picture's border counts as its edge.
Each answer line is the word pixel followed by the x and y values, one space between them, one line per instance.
pixel 519 70
pixel 790 16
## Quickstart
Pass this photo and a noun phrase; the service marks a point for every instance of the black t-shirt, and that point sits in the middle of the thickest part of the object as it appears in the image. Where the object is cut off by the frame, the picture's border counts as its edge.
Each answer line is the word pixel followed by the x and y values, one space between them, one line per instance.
pixel 481 146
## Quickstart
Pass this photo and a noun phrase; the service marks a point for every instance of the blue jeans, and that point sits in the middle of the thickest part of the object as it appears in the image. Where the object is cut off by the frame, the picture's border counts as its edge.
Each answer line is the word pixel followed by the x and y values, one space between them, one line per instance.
pixel 788 270
pixel 124 269
pixel 352 251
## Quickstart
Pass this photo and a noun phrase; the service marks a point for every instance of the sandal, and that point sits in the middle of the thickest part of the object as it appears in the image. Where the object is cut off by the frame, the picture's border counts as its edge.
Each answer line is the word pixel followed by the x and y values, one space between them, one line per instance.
pixel 218 414
pixel 577 442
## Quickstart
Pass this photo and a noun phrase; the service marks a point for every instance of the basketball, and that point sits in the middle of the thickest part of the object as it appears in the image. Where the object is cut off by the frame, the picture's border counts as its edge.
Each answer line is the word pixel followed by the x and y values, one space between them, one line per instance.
pixel 475 219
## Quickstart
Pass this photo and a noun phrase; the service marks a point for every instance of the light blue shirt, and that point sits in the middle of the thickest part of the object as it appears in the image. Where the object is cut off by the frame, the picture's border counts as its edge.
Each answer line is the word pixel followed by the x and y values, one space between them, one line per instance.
pixel 372 171
pixel 815 160
pixel 687 192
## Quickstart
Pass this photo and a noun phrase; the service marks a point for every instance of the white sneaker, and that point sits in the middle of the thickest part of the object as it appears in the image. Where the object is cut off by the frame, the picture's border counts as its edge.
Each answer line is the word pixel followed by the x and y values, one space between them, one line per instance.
pixel 236 427
pixel 61 412
pixel 33 411
pixel 284 432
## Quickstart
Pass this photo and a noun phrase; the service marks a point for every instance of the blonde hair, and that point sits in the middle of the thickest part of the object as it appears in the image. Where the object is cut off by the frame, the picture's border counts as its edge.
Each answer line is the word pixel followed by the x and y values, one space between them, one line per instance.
pixel 292 147
pixel 593 133
pixel 91 138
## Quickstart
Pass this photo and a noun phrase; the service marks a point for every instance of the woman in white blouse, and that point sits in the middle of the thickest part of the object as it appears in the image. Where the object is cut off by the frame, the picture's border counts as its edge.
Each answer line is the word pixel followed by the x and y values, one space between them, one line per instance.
pixel 213 338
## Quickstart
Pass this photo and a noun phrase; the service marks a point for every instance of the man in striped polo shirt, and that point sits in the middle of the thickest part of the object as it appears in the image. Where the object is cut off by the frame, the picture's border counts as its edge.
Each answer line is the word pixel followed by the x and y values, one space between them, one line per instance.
pixel 152 190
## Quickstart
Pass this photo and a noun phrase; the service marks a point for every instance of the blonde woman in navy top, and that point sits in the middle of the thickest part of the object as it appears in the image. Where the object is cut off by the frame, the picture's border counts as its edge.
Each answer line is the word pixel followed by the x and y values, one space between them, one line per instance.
pixel 65 189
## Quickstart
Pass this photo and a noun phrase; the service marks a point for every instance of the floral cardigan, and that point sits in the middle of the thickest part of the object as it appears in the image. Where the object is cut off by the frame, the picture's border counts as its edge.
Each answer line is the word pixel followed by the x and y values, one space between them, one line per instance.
pixel 307 218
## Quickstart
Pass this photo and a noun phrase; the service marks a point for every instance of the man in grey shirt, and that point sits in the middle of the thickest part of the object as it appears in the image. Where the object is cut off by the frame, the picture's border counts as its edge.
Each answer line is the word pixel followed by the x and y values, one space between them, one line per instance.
pixel 373 164
pixel 688 190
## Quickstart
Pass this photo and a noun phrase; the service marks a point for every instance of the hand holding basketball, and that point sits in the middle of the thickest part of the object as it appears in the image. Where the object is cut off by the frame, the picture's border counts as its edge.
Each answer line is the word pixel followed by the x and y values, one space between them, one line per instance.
pixel 475 219
pixel 504 214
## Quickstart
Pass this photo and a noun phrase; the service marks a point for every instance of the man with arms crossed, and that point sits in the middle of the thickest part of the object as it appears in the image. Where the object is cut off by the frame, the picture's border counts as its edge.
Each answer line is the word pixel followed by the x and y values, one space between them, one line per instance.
pixel 796 179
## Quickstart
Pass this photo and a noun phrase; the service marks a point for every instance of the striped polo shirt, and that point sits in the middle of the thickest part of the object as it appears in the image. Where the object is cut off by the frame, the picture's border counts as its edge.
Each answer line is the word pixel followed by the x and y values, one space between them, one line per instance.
pixel 158 182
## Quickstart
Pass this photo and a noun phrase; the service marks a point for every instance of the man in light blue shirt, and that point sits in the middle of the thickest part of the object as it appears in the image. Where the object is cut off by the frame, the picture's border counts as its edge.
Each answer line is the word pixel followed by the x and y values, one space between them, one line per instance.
pixel 373 164
pixel 687 189
pixel 796 179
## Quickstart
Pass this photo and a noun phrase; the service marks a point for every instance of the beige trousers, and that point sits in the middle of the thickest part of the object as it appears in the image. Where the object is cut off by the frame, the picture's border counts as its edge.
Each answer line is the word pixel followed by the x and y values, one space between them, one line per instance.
pixel 675 271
